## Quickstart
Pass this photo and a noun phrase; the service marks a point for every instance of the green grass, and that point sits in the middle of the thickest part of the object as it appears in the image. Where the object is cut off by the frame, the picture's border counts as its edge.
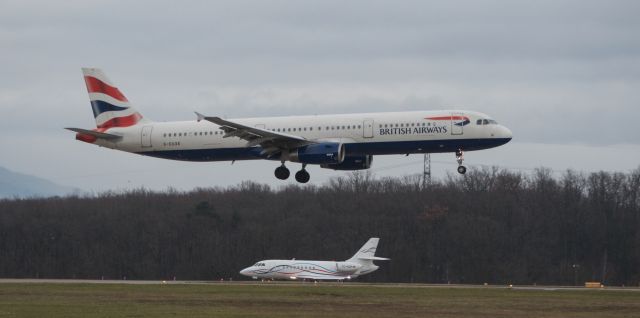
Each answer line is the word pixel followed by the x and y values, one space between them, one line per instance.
pixel 308 300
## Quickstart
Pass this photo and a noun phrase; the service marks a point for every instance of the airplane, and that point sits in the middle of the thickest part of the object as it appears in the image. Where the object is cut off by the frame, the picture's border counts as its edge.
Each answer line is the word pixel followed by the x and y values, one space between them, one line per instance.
pixel 339 142
pixel 360 264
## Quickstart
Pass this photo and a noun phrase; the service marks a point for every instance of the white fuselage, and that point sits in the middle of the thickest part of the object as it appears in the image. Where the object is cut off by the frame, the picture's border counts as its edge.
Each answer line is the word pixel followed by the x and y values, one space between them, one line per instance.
pixel 362 134
pixel 303 269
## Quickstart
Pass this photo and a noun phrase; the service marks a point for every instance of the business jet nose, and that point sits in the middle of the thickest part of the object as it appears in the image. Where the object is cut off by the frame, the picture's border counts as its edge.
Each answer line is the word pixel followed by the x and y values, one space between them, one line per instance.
pixel 245 272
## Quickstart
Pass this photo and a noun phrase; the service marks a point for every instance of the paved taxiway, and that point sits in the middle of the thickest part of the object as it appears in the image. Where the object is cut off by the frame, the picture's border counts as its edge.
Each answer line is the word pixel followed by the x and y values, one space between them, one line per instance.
pixel 289 283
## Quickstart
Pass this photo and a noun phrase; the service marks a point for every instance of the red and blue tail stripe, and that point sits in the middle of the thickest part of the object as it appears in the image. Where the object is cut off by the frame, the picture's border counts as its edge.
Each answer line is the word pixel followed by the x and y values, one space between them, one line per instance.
pixel 110 107
pixel 95 85
pixel 100 107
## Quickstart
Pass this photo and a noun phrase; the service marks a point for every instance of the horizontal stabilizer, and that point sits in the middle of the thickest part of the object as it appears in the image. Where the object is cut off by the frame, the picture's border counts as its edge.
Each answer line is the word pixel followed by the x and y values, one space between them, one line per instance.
pixel 374 258
pixel 96 134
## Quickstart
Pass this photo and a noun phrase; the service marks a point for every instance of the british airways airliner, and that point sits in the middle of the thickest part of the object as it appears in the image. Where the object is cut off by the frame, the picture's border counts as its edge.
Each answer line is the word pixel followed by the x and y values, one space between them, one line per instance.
pixel 339 142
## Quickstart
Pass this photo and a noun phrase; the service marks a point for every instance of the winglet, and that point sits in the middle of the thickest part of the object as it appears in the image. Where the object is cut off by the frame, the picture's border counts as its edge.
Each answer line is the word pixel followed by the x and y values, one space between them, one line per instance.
pixel 200 116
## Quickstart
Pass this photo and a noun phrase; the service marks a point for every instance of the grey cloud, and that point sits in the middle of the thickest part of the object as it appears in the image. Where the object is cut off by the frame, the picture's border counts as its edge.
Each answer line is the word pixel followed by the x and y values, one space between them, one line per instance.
pixel 554 71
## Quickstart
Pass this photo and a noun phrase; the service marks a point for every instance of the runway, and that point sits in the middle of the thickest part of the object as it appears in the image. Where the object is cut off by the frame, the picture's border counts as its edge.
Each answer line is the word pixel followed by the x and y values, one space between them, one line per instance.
pixel 300 283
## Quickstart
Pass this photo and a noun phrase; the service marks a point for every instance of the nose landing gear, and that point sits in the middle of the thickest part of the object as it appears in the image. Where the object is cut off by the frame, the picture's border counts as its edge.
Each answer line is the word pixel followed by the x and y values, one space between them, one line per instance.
pixel 303 176
pixel 282 172
pixel 460 158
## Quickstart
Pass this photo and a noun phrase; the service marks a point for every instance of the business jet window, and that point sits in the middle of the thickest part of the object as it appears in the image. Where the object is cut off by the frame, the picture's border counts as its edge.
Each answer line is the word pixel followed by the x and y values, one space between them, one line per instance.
pixel 491 121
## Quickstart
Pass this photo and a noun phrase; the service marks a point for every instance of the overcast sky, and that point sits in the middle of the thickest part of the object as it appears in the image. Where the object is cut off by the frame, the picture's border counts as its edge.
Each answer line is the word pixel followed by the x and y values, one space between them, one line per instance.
pixel 564 76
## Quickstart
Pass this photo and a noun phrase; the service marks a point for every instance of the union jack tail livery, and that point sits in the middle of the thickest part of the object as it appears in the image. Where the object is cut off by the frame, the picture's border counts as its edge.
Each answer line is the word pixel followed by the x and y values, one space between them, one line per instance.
pixel 110 107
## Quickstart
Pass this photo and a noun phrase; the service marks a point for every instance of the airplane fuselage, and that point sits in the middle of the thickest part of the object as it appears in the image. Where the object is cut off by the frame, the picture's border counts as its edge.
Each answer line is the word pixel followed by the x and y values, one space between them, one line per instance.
pixel 303 269
pixel 361 134
pixel 339 142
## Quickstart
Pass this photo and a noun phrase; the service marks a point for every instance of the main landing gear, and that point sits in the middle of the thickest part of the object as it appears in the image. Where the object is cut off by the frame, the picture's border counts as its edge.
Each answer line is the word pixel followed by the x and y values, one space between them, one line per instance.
pixel 303 176
pixel 283 173
pixel 460 158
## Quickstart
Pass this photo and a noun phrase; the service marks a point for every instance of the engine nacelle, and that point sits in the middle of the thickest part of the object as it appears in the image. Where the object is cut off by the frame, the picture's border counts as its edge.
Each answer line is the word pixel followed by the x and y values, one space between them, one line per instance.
pixel 351 163
pixel 322 153
pixel 347 267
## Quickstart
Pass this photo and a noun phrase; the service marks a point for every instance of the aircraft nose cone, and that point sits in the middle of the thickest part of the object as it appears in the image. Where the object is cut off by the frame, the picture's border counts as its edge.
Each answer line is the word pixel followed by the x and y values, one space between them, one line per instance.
pixel 504 132
pixel 507 132
pixel 245 272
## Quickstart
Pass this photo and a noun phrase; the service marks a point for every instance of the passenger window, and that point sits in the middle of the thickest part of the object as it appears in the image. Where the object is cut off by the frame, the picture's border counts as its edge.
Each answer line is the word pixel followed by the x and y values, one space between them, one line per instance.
pixel 485 122
pixel 479 122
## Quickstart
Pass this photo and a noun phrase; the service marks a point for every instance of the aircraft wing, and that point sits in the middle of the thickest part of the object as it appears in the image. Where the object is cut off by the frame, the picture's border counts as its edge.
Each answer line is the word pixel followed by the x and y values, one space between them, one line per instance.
pixel 272 142
pixel 320 277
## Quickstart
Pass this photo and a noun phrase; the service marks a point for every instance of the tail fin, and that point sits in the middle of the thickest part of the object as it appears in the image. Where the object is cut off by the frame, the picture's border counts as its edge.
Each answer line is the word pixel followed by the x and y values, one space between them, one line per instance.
pixel 366 254
pixel 110 107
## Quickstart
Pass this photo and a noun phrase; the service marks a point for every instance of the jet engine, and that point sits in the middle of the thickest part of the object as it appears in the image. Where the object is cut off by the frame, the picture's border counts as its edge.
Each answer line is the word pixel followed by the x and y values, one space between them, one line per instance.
pixel 351 163
pixel 322 153
pixel 347 267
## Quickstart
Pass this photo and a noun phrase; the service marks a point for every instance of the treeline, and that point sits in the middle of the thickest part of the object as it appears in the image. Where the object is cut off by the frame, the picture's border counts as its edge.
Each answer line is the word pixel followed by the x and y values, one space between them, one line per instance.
pixel 491 226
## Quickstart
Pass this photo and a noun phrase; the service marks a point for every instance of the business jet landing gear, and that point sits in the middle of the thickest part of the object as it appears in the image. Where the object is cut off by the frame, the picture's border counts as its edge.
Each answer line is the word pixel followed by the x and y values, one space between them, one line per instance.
pixel 460 158
pixel 282 172
pixel 302 176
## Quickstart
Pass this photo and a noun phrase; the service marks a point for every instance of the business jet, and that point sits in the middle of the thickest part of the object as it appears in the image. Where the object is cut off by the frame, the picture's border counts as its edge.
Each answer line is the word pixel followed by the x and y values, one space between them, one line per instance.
pixel 339 142
pixel 360 264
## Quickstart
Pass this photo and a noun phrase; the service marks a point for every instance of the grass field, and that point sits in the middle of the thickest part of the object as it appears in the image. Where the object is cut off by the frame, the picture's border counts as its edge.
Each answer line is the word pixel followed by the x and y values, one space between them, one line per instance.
pixel 307 300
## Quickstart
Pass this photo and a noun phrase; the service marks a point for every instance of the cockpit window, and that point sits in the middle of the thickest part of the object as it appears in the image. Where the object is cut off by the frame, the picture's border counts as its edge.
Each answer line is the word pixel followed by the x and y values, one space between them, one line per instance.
pixel 486 122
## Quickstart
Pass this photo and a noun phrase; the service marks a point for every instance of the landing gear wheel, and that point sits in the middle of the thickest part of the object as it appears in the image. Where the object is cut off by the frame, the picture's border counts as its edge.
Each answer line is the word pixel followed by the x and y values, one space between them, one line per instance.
pixel 302 176
pixel 282 172
pixel 460 158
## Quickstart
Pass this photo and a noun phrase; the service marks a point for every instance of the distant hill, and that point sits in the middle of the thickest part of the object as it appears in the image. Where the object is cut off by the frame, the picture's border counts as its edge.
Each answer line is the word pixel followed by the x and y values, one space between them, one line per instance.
pixel 13 184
